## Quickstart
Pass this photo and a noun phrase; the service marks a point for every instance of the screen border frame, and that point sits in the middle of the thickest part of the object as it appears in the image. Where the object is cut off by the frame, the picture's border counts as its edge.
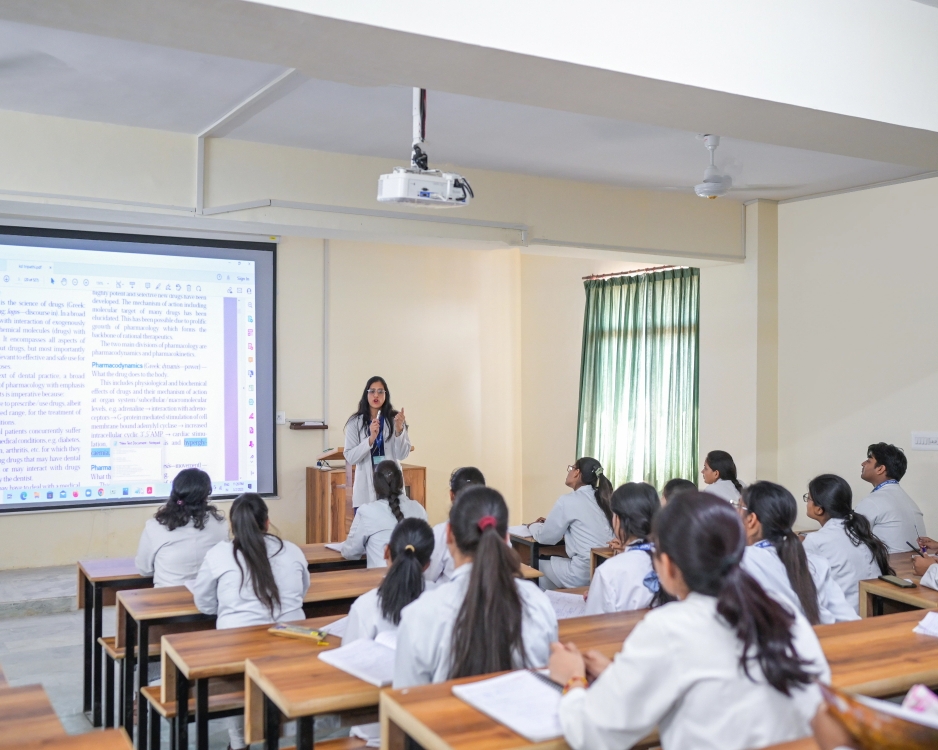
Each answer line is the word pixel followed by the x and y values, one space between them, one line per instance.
pixel 154 239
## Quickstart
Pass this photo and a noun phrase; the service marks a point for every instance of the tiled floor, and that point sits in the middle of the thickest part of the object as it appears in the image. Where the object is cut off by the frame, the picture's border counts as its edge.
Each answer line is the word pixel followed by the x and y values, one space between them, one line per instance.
pixel 37 591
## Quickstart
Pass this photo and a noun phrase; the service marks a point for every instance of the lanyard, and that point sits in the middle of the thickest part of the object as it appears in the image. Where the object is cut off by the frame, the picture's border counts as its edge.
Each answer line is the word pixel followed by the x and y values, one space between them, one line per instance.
pixel 378 448
pixel 762 544
pixel 888 481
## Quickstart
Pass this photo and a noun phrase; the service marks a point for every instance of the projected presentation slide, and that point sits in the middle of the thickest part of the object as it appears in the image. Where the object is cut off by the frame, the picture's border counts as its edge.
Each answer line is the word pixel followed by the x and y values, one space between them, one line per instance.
pixel 119 369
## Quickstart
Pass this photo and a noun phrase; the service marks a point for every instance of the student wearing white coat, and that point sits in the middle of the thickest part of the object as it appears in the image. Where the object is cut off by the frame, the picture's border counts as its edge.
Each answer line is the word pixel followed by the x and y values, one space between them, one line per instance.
pixel 683 669
pixel 778 561
pixel 374 522
pixel 894 516
pixel 582 518
pixel 719 475
pixel 175 541
pixel 372 434
pixel 441 567
pixel 845 539
pixel 255 579
pixel 378 610
pixel 628 581
pixel 487 619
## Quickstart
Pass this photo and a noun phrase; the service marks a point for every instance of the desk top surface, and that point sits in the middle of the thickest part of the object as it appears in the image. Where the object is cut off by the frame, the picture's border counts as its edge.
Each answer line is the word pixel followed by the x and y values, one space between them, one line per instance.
pixel 26 715
pixel 921 596
pixel 215 653
pixel 107 739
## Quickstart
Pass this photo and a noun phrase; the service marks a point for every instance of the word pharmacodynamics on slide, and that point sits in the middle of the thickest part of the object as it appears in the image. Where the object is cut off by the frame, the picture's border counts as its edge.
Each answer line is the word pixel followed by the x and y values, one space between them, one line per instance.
pixel 119 369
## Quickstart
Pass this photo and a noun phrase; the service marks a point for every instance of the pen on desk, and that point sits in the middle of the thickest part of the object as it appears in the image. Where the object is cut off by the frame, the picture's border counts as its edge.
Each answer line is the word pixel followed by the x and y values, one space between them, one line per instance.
pixel 915 549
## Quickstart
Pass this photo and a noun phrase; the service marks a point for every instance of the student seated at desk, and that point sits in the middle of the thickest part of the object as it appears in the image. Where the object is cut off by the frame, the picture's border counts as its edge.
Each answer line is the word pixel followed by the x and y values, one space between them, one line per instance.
pixel 440 569
pixel 845 539
pixel 674 487
pixel 776 558
pixel 255 579
pixel 628 580
pixel 380 609
pixel 894 516
pixel 174 542
pixel 582 519
pixel 487 619
pixel 719 474
pixel 725 667
pixel 374 522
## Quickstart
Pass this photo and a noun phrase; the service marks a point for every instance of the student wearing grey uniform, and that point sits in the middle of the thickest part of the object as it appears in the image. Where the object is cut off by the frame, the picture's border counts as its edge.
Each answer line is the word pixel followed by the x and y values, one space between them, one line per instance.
pixel 582 519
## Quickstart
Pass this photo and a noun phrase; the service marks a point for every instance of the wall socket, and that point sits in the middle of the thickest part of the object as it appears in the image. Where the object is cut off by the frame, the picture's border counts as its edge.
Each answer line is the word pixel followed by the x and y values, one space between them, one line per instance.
pixel 281 417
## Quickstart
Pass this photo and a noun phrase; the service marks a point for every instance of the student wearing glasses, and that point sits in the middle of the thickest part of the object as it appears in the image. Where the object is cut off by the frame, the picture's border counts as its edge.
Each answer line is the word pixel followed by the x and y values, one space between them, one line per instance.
pixel 372 434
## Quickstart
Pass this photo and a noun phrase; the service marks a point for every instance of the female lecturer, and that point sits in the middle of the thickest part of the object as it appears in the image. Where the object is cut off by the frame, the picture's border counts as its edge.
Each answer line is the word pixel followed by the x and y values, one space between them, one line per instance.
pixel 372 434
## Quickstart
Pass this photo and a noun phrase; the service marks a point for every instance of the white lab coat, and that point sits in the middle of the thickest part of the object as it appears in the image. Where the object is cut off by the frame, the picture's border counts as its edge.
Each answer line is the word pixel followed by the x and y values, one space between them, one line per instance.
pixel 930 578
pixel 219 589
pixel 577 519
pixel 849 564
pixel 679 671
pixel 372 527
pixel 762 562
pixel 358 452
pixel 894 516
pixel 618 584
pixel 174 557
pixel 425 635
pixel 441 565
pixel 365 619
pixel 723 488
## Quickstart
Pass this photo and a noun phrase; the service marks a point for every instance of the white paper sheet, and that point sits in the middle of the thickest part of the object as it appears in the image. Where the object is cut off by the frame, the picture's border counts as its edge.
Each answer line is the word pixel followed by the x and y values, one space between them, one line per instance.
pixel 567 605
pixel 336 628
pixel 522 530
pixel 387 638
pixel 928 625
pixel 519 700
pixel 371 733
pixel 334 546
pixel 364 659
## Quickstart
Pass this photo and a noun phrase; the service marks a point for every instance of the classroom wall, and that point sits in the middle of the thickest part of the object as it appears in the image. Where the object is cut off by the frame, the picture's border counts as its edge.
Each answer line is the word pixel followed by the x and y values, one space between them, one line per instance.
pixel 857 357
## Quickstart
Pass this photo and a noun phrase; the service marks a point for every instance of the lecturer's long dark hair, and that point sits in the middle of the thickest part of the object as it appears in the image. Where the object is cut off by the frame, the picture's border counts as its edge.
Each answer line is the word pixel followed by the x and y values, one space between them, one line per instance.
pixel 704 538
pixel 777 511
pixel 487 633
pixel 188 500
pixel 248 524
pixel 363 414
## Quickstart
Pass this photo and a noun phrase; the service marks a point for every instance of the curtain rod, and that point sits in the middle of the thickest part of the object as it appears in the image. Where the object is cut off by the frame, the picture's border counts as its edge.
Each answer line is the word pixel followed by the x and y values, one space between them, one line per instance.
pixel 627 273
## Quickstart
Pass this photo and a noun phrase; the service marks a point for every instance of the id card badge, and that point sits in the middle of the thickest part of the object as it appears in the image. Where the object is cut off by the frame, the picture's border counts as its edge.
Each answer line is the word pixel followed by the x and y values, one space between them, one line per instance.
pixel 375 460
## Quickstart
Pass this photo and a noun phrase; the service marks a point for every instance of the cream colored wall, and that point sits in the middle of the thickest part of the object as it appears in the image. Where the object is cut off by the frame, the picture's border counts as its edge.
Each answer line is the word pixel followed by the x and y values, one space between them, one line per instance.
pixel 857 329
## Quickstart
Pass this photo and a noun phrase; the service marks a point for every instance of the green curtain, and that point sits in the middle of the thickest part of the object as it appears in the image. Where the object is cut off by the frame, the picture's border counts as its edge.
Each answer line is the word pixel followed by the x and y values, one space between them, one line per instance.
pixel 639 389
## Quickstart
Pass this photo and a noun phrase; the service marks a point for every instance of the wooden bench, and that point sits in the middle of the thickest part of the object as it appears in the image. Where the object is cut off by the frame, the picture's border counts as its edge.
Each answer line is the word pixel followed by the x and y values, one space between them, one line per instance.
pixel 114 654
pixel 109 739
pixel 227 701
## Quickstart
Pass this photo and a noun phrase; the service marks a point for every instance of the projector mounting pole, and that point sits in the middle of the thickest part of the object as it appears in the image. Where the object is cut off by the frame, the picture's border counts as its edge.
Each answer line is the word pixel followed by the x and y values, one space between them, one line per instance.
pixel 418 158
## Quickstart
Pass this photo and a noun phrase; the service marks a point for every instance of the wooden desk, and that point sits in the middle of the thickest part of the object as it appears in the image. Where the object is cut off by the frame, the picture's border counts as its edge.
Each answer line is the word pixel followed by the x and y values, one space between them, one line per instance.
pixel 109 739
pixel 808 743
pixel 526 546
pixel 26 715
pixel 878 597
pixel 599 555
pixel 189 658
pixel 331 592
pixel 321 559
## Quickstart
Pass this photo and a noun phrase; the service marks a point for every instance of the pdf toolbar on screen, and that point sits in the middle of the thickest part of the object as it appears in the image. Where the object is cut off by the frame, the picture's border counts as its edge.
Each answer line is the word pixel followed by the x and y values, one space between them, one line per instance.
pixel 117 370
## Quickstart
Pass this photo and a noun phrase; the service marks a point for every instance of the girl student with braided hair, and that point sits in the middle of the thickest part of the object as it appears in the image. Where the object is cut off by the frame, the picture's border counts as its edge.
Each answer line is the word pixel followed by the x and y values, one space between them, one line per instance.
pixel 378 610
pixel 374 522
pixel 724 667
pixel 487 618
pixel 582 519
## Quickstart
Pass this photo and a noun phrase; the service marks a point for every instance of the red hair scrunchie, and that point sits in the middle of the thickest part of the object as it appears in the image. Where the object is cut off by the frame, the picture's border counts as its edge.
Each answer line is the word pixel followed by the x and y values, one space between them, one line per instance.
pixel 487 522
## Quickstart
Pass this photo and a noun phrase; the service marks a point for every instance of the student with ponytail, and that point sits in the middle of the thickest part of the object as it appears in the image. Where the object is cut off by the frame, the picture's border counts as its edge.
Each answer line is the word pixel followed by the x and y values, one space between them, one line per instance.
pixel 174 542
pixel 441 567
pixel 719 474
pixel 778 561
pixel 408 552
pixel 374 522
pixel 486 619
pixel 628 581
pixel 725 666
pixel 582 519
pixel 845 538
pixel 255 579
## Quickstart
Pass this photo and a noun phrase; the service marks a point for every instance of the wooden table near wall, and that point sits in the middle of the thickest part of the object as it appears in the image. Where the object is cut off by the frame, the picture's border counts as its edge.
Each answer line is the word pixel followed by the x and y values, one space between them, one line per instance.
pixel 881 598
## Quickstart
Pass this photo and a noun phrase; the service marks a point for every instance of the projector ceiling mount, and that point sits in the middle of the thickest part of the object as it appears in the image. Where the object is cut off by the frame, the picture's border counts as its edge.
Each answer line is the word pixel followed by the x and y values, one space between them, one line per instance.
pixel 418 184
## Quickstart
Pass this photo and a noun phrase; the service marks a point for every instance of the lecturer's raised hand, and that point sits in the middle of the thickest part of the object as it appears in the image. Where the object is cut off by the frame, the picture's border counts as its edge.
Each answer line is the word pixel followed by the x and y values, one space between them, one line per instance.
pixel 373 429
pixel 399 422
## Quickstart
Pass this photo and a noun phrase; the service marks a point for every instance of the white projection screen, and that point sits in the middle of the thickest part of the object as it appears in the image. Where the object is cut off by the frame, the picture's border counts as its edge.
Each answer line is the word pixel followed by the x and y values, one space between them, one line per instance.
pixel 125 359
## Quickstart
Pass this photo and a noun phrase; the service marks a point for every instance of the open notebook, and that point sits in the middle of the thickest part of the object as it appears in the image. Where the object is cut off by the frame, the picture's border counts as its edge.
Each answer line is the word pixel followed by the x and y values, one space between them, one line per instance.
pixel 525 702
pixel 567 605
pixel 371 661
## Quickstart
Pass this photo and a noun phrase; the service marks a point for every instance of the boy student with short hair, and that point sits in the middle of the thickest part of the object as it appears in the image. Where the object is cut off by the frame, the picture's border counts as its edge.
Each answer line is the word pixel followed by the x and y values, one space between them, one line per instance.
pixel 893 515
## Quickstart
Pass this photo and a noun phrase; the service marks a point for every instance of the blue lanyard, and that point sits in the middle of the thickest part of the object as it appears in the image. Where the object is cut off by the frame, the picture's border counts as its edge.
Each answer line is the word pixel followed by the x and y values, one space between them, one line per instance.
pixel 650 581
pixel 888 481
pixel 762 544
pixel 378 448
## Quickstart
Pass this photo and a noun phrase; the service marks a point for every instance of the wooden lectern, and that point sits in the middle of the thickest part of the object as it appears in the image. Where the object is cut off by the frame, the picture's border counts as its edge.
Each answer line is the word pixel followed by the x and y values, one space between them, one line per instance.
pixel 329 496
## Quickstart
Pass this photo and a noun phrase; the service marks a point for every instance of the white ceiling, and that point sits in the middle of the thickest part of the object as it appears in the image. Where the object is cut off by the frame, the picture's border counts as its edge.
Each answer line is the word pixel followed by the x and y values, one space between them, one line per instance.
pixel 70 74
